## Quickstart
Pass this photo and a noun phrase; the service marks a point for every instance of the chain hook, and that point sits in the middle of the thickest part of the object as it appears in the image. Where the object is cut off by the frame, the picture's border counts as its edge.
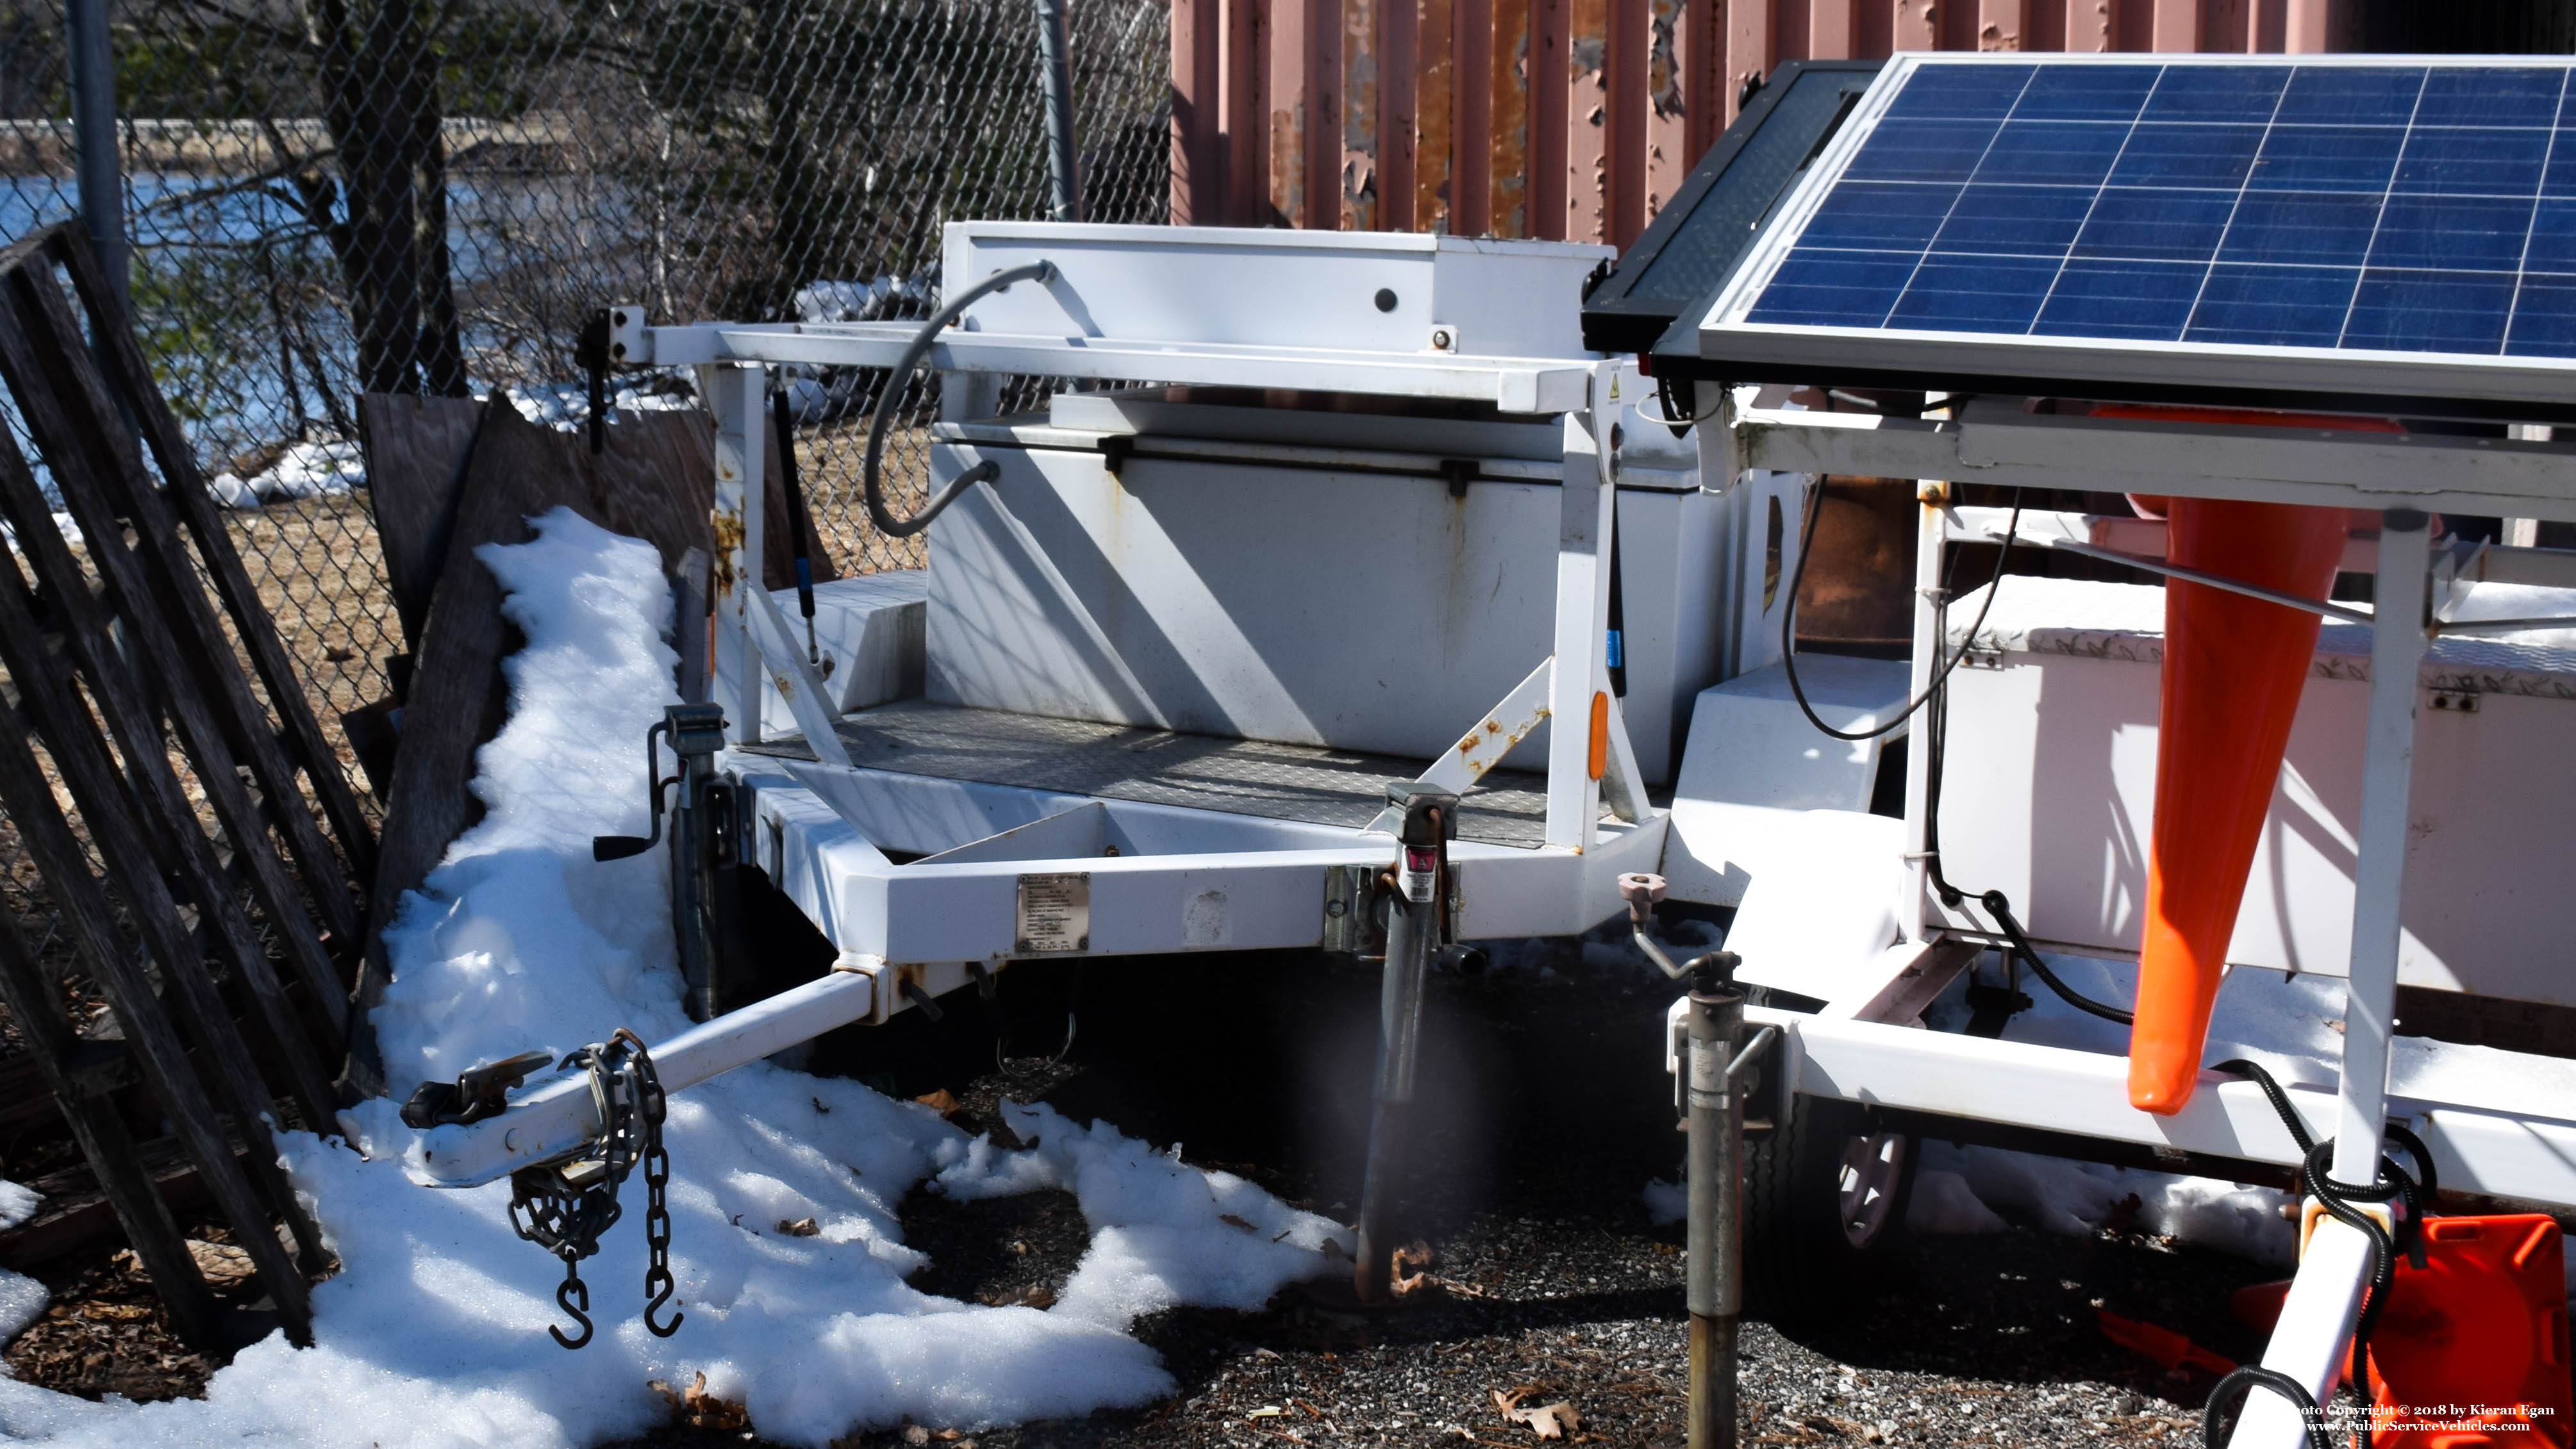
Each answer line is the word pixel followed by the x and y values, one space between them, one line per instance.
pixel 573 1296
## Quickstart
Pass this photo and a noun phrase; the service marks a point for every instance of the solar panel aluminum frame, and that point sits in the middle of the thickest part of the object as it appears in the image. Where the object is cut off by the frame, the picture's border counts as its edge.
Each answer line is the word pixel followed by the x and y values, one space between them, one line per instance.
pixel 2429 383
pixel 1614 321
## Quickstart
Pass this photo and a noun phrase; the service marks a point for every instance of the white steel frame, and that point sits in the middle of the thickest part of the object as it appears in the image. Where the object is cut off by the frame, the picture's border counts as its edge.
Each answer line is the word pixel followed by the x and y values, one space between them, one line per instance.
pixel 1858 1052
pixel 928 925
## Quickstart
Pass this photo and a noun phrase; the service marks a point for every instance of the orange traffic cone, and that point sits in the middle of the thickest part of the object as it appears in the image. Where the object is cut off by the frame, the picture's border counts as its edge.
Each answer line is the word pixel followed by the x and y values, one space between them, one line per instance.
pixel 2233 670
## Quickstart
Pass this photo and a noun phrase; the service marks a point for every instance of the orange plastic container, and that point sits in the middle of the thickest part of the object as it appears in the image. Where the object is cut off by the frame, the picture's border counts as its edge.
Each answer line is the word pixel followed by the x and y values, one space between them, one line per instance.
pixel 2471 1350
pixel 2233 670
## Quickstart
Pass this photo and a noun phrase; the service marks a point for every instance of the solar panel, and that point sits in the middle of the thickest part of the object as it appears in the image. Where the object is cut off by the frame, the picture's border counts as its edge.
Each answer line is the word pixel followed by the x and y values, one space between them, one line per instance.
pixel 2332 225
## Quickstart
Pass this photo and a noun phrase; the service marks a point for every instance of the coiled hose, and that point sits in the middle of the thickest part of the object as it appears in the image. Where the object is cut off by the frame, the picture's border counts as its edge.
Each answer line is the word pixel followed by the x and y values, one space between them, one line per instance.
pixel 891 394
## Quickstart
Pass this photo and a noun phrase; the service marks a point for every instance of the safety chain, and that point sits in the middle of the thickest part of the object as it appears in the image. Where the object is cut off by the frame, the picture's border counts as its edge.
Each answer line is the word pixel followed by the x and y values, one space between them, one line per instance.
pixel 2392 1184
pixel 564 1206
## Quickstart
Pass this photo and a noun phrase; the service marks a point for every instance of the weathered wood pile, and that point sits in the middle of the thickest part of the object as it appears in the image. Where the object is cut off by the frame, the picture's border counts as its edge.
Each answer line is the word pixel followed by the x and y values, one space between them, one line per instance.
pixel 213 867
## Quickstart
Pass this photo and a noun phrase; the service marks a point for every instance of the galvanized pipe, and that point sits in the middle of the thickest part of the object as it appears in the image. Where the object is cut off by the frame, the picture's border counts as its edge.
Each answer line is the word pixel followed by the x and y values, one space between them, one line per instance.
pixel 1064 159
pixel 1412 934
pixel 1715 1268
pixel 102 180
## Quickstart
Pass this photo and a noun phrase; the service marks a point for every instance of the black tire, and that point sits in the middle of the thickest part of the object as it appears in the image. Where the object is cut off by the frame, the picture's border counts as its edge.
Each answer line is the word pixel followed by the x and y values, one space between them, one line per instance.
pixel 1812 1247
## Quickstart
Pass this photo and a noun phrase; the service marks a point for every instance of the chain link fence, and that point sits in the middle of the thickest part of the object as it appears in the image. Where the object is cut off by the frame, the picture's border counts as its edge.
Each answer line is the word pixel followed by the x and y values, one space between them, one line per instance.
pixel 330 197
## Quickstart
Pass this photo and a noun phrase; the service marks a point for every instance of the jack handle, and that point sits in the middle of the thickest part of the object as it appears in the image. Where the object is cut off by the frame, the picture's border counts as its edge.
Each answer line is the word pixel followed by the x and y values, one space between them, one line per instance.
pixel 619 847
pixel 1708 972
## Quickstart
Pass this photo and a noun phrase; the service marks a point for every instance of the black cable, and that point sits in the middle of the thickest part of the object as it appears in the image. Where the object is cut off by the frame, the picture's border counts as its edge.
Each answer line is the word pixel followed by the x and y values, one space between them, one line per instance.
pixel 898 380
pixel 2245 1380
pixel 1789 624
pixel 2389 1183
pixel 1936 753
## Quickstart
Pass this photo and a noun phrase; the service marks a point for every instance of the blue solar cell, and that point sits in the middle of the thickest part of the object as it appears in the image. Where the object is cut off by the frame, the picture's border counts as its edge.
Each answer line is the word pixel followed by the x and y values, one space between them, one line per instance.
pixel 2156 225
pixel 2087 93
pixel 2217 93
pixel 2459 233
pixel 2273 306
pixel 2553 238
pixel 1880 215
pixel 1975 294
pixel 2335 95
pixel 2030 220
pixel 2398 311
pixel 2488 160
pixel 2173 155
pixel 2053 153
pixel 1817 288
pixel 2489 96
pixel 2559 177
pixel 1937 150
pixel 2314 228
pixel 2544 318
pixel 2147 300
pixel 1984 92
pixel 2364 207
pixel 2327 158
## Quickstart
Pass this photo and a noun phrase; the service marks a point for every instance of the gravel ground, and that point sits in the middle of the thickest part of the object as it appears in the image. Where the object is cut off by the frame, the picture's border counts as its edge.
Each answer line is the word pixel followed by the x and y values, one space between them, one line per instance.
pixel 1543 1114
pixel 1544 1110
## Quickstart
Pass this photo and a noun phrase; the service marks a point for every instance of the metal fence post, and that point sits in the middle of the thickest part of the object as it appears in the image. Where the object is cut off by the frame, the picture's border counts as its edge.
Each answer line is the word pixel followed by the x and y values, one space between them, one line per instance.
pixel 1714 1269
pixel 102 182
pixel 1064 159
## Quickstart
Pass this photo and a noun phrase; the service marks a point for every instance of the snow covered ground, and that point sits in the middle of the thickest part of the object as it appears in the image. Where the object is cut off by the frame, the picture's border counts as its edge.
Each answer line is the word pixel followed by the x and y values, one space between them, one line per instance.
pixel 434 1331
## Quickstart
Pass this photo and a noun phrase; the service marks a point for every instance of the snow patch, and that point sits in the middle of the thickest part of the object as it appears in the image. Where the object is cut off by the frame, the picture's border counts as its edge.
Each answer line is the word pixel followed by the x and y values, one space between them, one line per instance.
pixel 17 1204
pixel 22 1301
pixel 2076 1199
pixel 303 470
pixel 433 1335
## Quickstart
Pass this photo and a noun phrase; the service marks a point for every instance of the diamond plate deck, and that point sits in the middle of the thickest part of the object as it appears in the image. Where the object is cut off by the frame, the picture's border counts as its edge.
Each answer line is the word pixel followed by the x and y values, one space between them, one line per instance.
pixel 1159 767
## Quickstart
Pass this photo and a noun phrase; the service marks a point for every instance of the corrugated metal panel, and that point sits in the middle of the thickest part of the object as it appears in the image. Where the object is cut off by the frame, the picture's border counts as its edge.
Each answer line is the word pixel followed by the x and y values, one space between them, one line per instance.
pixel 1576 118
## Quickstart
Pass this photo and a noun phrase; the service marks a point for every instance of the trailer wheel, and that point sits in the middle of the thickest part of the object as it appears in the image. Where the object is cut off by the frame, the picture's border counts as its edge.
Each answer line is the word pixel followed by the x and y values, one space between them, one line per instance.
pixel 1824 1205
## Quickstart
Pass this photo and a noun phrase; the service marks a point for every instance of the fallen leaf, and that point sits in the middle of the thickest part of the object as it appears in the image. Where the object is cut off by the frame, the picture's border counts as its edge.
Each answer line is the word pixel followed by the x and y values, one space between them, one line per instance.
pixel 695 1408
pixel 222 1264
pixel 1036 1295
pixel 943 1102
pixel 801 1228
pixel 1547 1421
pixel 1230 1220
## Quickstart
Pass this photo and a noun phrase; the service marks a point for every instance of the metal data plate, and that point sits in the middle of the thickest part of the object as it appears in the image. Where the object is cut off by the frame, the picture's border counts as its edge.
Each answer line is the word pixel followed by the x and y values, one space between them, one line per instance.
pixel 1054 913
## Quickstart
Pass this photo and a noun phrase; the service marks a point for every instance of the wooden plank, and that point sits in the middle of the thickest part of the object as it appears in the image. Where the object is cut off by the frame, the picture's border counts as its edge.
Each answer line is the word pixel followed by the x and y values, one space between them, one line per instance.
pixel 458 696
pixel 74 443
pixel 169 584
pixel 121 1184
pixel 72 420
pixel 417 448
pixel 132 376
pixel 91 923
pixel 77 1211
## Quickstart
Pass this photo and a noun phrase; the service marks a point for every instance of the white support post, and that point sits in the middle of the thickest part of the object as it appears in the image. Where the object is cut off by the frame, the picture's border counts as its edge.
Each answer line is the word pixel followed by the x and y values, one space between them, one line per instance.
pixel 1582 617
pixel 2398 638
pixel 2308 1339
pixel 734 393
pixel 2308 1343
pixel 1931 615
